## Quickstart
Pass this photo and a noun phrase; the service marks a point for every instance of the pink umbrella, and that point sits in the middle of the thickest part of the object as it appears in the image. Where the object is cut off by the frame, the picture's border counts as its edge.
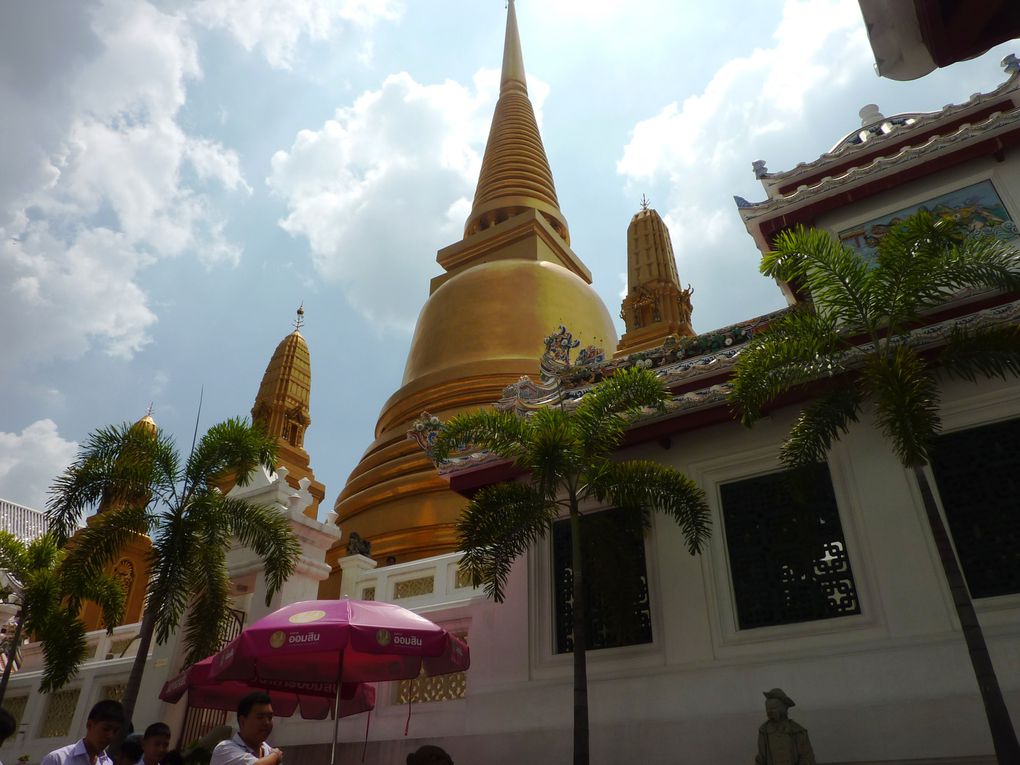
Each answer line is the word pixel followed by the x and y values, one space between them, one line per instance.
pixel 345 640
pixel 315 700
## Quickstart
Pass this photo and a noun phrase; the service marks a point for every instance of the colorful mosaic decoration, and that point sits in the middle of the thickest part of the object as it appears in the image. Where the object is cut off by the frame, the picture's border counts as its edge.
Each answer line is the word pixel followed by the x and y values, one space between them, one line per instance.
pixel 978 207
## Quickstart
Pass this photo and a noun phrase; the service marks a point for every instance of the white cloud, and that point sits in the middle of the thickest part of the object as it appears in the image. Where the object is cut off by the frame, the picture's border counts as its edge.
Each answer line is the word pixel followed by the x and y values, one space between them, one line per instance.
pixel 385 183
pixel 753 106
pixel 30 460
pixel 115 184
pixel 275 27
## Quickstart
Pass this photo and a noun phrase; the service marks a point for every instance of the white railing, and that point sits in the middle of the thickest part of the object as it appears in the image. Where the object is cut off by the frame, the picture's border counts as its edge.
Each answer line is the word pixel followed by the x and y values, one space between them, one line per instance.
pixel 425 584
pixel 121 643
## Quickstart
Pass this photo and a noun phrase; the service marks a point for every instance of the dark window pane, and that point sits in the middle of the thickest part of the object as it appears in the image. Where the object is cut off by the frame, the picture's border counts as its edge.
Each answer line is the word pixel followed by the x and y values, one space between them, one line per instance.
pixel 978 475
pixel 616 584
pixel 787 553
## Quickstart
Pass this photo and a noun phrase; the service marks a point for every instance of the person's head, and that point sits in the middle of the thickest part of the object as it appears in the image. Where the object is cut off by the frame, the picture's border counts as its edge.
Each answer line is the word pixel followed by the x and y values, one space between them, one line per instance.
pixel 104 723
pixel 7 725
pixel 255 718
pixel 429 755
pixel 128 753
pixel 775 709
pixel 173 757
pixel 156 742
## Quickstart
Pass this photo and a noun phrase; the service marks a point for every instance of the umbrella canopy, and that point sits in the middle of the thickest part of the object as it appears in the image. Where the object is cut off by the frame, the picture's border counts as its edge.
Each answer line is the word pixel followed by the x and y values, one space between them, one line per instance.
pixel 356 640
pixel 313 699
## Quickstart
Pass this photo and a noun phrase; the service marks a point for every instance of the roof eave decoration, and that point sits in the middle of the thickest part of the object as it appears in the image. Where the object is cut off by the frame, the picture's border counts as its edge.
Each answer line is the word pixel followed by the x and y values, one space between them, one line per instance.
pixel 709 366
pixel 995 124
pixel 900 127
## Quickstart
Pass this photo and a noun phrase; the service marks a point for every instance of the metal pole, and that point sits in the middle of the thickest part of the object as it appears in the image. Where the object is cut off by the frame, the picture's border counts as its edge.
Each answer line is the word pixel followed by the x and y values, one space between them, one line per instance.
pixel 12 654
pixel 336 709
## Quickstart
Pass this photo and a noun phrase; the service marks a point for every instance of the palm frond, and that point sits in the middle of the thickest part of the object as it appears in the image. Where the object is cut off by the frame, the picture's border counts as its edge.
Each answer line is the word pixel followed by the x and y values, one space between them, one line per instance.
pixel 497 526
pixel 115 465
pixel 210 595
pixel 603 414
pixel 799 347
pixel 906 402
pixel 985 351
pixel 13 554
pixel 821 422
pixel 172 561
pixel 65 647
pixel 834 275
pixel 102 540
pixel 645 485
pixel 551 452
pixel 103 590
pixel 267 533
pixel 501 433
pixel 232 447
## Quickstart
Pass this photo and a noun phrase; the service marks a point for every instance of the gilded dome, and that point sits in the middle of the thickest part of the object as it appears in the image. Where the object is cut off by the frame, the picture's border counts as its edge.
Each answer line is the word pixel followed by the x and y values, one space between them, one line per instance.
pixel 472 319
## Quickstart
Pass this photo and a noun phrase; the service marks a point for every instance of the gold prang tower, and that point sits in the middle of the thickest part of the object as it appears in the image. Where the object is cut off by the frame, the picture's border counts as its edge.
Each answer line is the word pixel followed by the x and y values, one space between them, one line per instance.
pixel 282 407
pixel 507 284
pixel 656 305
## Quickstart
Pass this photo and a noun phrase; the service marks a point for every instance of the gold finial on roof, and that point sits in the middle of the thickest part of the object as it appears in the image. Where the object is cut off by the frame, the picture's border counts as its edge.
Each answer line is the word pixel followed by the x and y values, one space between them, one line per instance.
pixel 299 322
pixel 148 412
pixel 644 203
pixel 513 57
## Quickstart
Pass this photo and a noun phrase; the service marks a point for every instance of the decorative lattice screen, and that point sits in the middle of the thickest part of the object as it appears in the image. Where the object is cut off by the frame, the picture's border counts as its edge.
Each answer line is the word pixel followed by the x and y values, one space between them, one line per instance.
pixel 787 554
pixel 59 713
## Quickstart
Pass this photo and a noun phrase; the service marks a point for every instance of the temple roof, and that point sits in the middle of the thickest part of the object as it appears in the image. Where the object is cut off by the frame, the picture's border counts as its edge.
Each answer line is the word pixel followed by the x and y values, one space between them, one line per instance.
pixel 881 137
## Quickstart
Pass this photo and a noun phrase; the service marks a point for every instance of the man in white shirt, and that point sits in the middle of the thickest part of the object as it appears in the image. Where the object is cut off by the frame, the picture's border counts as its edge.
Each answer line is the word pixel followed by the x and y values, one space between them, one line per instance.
pixel 103 724
pixel 7 726
pixel 155 744
pixel 248 746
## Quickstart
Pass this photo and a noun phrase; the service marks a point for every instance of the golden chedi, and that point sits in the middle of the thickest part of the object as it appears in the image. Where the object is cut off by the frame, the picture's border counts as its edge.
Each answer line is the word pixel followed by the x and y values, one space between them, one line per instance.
pixel 131 568
pixel 656 306
pixel 282 407
pixel 507 284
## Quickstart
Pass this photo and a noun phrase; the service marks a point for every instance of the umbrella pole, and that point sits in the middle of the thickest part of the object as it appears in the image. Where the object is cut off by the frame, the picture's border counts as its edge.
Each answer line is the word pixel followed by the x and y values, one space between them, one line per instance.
pixel 336 709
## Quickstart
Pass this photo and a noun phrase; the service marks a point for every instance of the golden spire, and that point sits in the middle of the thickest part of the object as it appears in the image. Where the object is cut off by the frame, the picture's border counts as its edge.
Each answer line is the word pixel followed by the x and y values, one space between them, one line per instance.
pixel 515 173
pixel 282 401
pixel 655 306
pixel 282 406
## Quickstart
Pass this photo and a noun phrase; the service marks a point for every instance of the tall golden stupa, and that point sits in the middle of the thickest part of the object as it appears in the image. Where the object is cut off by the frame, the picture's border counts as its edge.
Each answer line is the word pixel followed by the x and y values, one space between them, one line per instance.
pixel 507 284
pixel 282 406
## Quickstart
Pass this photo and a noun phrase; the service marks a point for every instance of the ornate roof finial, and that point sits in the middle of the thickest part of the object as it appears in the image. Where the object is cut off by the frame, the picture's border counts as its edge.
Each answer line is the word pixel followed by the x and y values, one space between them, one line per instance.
pixel 513 59
pixel 300 320
pixel 644 203
pixel 759 168
pixel 1010 63
pixel 148 412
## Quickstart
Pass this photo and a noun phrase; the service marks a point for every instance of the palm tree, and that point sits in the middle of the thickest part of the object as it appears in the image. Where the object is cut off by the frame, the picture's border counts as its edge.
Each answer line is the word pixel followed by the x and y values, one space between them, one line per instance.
pixel 850 347
pixel 191 521
pixel 51 600
pixel 568 455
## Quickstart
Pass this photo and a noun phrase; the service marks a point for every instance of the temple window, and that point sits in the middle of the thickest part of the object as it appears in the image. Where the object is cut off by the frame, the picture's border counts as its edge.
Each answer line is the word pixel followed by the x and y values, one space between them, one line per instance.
pixel 978 476
pixel 787 553
pixel 616 581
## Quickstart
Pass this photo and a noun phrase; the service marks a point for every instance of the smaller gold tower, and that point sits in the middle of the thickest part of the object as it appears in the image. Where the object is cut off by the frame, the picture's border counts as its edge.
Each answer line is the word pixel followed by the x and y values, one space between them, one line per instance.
pixel 131 568
pixel 656 306
pixel 282 407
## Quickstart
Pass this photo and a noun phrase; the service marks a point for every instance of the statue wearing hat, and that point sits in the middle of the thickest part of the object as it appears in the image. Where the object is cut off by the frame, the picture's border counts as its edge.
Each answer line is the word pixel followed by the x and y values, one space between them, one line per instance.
pixel 781 741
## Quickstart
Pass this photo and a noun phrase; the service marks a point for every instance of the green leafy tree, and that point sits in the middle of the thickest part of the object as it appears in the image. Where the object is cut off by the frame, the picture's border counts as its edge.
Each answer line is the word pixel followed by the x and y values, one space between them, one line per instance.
pixel 848 348
pixel 143 486
pixel 51 601
pixel 568 456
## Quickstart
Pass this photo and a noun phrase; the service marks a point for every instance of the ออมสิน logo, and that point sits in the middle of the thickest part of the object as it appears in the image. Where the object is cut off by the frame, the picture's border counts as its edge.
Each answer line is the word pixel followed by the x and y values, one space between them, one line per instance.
pixel 277 639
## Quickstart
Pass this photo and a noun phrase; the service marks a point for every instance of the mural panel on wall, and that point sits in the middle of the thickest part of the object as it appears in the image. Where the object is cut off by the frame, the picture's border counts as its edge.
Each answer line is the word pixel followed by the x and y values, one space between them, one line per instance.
pixel 978 206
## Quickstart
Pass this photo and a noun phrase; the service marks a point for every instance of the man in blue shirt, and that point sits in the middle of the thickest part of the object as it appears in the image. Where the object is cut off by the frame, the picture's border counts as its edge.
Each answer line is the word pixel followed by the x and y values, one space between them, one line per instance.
pixel 104 723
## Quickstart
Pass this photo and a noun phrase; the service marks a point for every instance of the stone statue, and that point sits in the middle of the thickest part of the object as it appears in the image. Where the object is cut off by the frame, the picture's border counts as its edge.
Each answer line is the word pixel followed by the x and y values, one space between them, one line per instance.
pixel 781 741
pixel 358 546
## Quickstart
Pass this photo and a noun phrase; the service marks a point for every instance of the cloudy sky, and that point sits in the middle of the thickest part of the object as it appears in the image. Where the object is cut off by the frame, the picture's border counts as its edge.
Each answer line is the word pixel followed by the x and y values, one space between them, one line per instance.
pixel 176 176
